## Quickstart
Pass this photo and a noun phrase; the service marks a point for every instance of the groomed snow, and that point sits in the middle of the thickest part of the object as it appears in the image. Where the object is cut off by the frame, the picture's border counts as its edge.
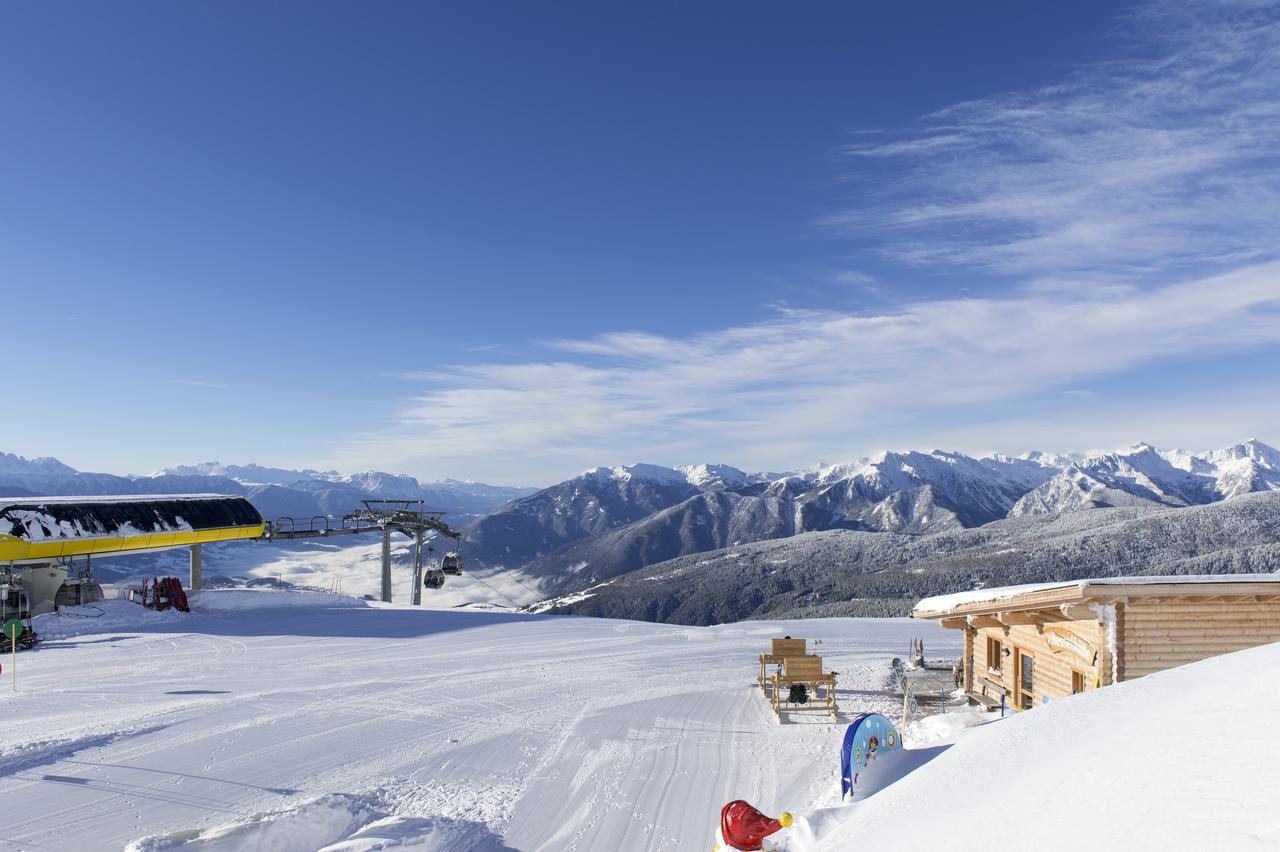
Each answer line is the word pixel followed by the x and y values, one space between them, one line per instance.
pixel 285 721
pixel 949 603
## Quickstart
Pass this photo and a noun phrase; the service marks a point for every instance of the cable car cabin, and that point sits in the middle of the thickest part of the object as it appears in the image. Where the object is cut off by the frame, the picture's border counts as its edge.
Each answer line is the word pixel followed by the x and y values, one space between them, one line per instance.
pixel 451 564
pixel 39 535
pixel 432 580
pixel 1028 645
pixel 78 591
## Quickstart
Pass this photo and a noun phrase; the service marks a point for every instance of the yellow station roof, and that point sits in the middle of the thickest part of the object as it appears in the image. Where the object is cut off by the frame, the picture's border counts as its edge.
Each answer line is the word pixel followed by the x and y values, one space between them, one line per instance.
pixel 36 529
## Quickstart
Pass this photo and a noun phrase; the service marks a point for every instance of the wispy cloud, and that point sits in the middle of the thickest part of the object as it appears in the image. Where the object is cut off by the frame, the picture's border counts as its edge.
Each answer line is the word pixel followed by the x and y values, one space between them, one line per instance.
pixel 1135 206
pixel 1167 160
pixel 805 385
pixel 856 279
pixel 195 383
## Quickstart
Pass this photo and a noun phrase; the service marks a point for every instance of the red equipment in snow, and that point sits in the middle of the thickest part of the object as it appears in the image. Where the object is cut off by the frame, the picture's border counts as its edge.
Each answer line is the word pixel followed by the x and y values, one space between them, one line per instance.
pixel 160 593
pixel 177 595
pixel 744 828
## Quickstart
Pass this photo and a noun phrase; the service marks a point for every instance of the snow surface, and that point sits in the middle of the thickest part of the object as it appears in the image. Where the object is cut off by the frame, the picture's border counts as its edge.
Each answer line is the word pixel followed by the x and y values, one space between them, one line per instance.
pixel 949 603
pixel 1181 760
pixel 286 721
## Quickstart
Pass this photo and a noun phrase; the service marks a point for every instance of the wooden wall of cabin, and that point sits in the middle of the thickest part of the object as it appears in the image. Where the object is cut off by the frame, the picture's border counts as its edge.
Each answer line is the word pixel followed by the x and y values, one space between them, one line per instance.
pixel 1077 650
pixel 1160 634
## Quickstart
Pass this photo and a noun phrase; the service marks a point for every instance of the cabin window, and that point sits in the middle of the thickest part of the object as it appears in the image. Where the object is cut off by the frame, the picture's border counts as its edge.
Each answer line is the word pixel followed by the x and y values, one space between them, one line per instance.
pixel 1077 682
pixel 995 651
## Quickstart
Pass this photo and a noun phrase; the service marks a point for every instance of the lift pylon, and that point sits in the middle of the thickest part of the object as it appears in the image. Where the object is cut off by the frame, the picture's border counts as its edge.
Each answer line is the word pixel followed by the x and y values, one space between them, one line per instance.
pixel 410 517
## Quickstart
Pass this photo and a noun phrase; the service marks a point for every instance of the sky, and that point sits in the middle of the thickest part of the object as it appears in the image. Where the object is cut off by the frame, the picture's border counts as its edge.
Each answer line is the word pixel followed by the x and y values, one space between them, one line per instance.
pixel 509 241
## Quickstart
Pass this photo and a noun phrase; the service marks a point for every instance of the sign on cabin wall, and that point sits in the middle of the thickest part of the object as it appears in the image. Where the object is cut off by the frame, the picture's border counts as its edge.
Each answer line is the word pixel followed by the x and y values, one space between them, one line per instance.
pixel 1061 639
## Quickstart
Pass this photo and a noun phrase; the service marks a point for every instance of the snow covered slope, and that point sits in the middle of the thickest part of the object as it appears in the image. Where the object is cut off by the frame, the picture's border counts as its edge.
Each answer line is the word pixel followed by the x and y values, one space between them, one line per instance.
pixel 592 503
pixel 1180 760
pixel 293 721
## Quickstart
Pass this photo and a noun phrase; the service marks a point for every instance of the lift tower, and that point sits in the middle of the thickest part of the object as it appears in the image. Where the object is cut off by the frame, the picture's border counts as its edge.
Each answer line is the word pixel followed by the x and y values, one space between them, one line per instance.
pixel 410 517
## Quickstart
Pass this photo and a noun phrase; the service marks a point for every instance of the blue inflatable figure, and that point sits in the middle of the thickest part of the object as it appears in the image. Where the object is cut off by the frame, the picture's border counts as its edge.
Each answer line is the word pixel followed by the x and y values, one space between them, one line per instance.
pixel 868 739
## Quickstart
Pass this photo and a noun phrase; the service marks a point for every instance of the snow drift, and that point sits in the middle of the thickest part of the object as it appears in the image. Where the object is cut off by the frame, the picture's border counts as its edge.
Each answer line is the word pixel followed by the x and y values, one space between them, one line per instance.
pixel 1183 759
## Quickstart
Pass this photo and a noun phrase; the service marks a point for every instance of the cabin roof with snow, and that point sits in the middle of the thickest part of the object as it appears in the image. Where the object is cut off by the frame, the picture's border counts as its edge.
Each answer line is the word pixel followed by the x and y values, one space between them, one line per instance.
pixel 1036 595
pixel 1028 645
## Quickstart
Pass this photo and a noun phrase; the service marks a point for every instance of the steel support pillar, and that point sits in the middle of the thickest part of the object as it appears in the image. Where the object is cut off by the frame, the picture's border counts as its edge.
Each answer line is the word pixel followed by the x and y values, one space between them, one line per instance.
pixel 386 564
pixel 417 569
pixel 196 582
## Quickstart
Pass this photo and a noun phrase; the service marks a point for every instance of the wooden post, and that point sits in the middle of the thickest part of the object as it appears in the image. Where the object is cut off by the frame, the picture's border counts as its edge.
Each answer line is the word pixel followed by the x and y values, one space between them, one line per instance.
pixel 1119 662
pixel 967 663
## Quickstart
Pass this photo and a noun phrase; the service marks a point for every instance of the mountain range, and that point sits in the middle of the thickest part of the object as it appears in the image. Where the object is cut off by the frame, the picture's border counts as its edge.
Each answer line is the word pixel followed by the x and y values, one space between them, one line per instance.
pixel 607 522
pixel 275 492
pixel 711 542
pixel 850 573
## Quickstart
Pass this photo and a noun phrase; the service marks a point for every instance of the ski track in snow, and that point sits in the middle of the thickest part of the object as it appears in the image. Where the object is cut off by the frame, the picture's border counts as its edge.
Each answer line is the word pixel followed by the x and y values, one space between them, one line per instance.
pixel 387 726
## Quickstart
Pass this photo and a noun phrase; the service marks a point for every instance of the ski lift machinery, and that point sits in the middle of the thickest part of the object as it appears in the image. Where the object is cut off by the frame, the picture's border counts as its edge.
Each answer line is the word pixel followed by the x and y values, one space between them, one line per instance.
pixel 14 603
pixel 409 517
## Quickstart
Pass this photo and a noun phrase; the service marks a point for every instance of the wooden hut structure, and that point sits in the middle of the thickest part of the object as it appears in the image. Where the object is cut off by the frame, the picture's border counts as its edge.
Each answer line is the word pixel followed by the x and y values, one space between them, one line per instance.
pixel 1028 645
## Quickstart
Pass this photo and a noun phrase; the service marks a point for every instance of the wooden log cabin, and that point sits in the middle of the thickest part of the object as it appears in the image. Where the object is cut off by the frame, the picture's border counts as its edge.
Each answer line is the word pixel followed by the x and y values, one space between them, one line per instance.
pixel 1029 645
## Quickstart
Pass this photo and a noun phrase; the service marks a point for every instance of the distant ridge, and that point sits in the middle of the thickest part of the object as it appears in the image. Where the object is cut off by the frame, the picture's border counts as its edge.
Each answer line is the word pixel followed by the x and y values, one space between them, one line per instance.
pixel 274 491
pixel 847 573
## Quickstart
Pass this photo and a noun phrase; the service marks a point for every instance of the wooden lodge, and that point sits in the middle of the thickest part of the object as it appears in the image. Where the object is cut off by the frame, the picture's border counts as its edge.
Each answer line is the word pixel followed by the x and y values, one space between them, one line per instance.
pixel 1028 645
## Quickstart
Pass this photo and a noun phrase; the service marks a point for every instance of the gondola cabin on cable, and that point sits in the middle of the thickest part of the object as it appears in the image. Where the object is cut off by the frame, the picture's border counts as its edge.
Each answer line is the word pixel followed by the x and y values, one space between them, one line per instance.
pixel 43 539
pixel 451 564
pixel 1029 645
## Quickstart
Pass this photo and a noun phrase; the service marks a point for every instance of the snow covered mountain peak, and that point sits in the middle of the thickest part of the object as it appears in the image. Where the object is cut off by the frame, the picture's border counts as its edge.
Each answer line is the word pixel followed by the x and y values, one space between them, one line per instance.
pixel 249 474
pixel 704 476
pixel 1251 450
pixel 10 463
pixel 640 471
pixel 1139 447
pixel 707 475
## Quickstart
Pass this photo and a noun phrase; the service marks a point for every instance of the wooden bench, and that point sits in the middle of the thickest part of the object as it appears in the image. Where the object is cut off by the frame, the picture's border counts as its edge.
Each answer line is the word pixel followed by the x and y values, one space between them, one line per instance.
pixel 779 651
pixel 985 700
pixel 804 671
pixel 983 694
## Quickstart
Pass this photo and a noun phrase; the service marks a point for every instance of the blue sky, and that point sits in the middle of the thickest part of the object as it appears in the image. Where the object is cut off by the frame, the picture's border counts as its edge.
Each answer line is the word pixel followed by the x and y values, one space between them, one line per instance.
pixel 510 241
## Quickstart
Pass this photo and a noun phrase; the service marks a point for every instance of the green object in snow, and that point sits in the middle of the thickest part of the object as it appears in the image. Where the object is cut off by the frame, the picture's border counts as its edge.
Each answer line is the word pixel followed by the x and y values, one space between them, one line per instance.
pixel 13 628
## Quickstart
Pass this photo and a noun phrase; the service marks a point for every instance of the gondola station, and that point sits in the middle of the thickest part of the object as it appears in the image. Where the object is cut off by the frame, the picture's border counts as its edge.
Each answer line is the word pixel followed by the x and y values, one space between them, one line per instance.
pixel 1029 645
pixel 47 544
